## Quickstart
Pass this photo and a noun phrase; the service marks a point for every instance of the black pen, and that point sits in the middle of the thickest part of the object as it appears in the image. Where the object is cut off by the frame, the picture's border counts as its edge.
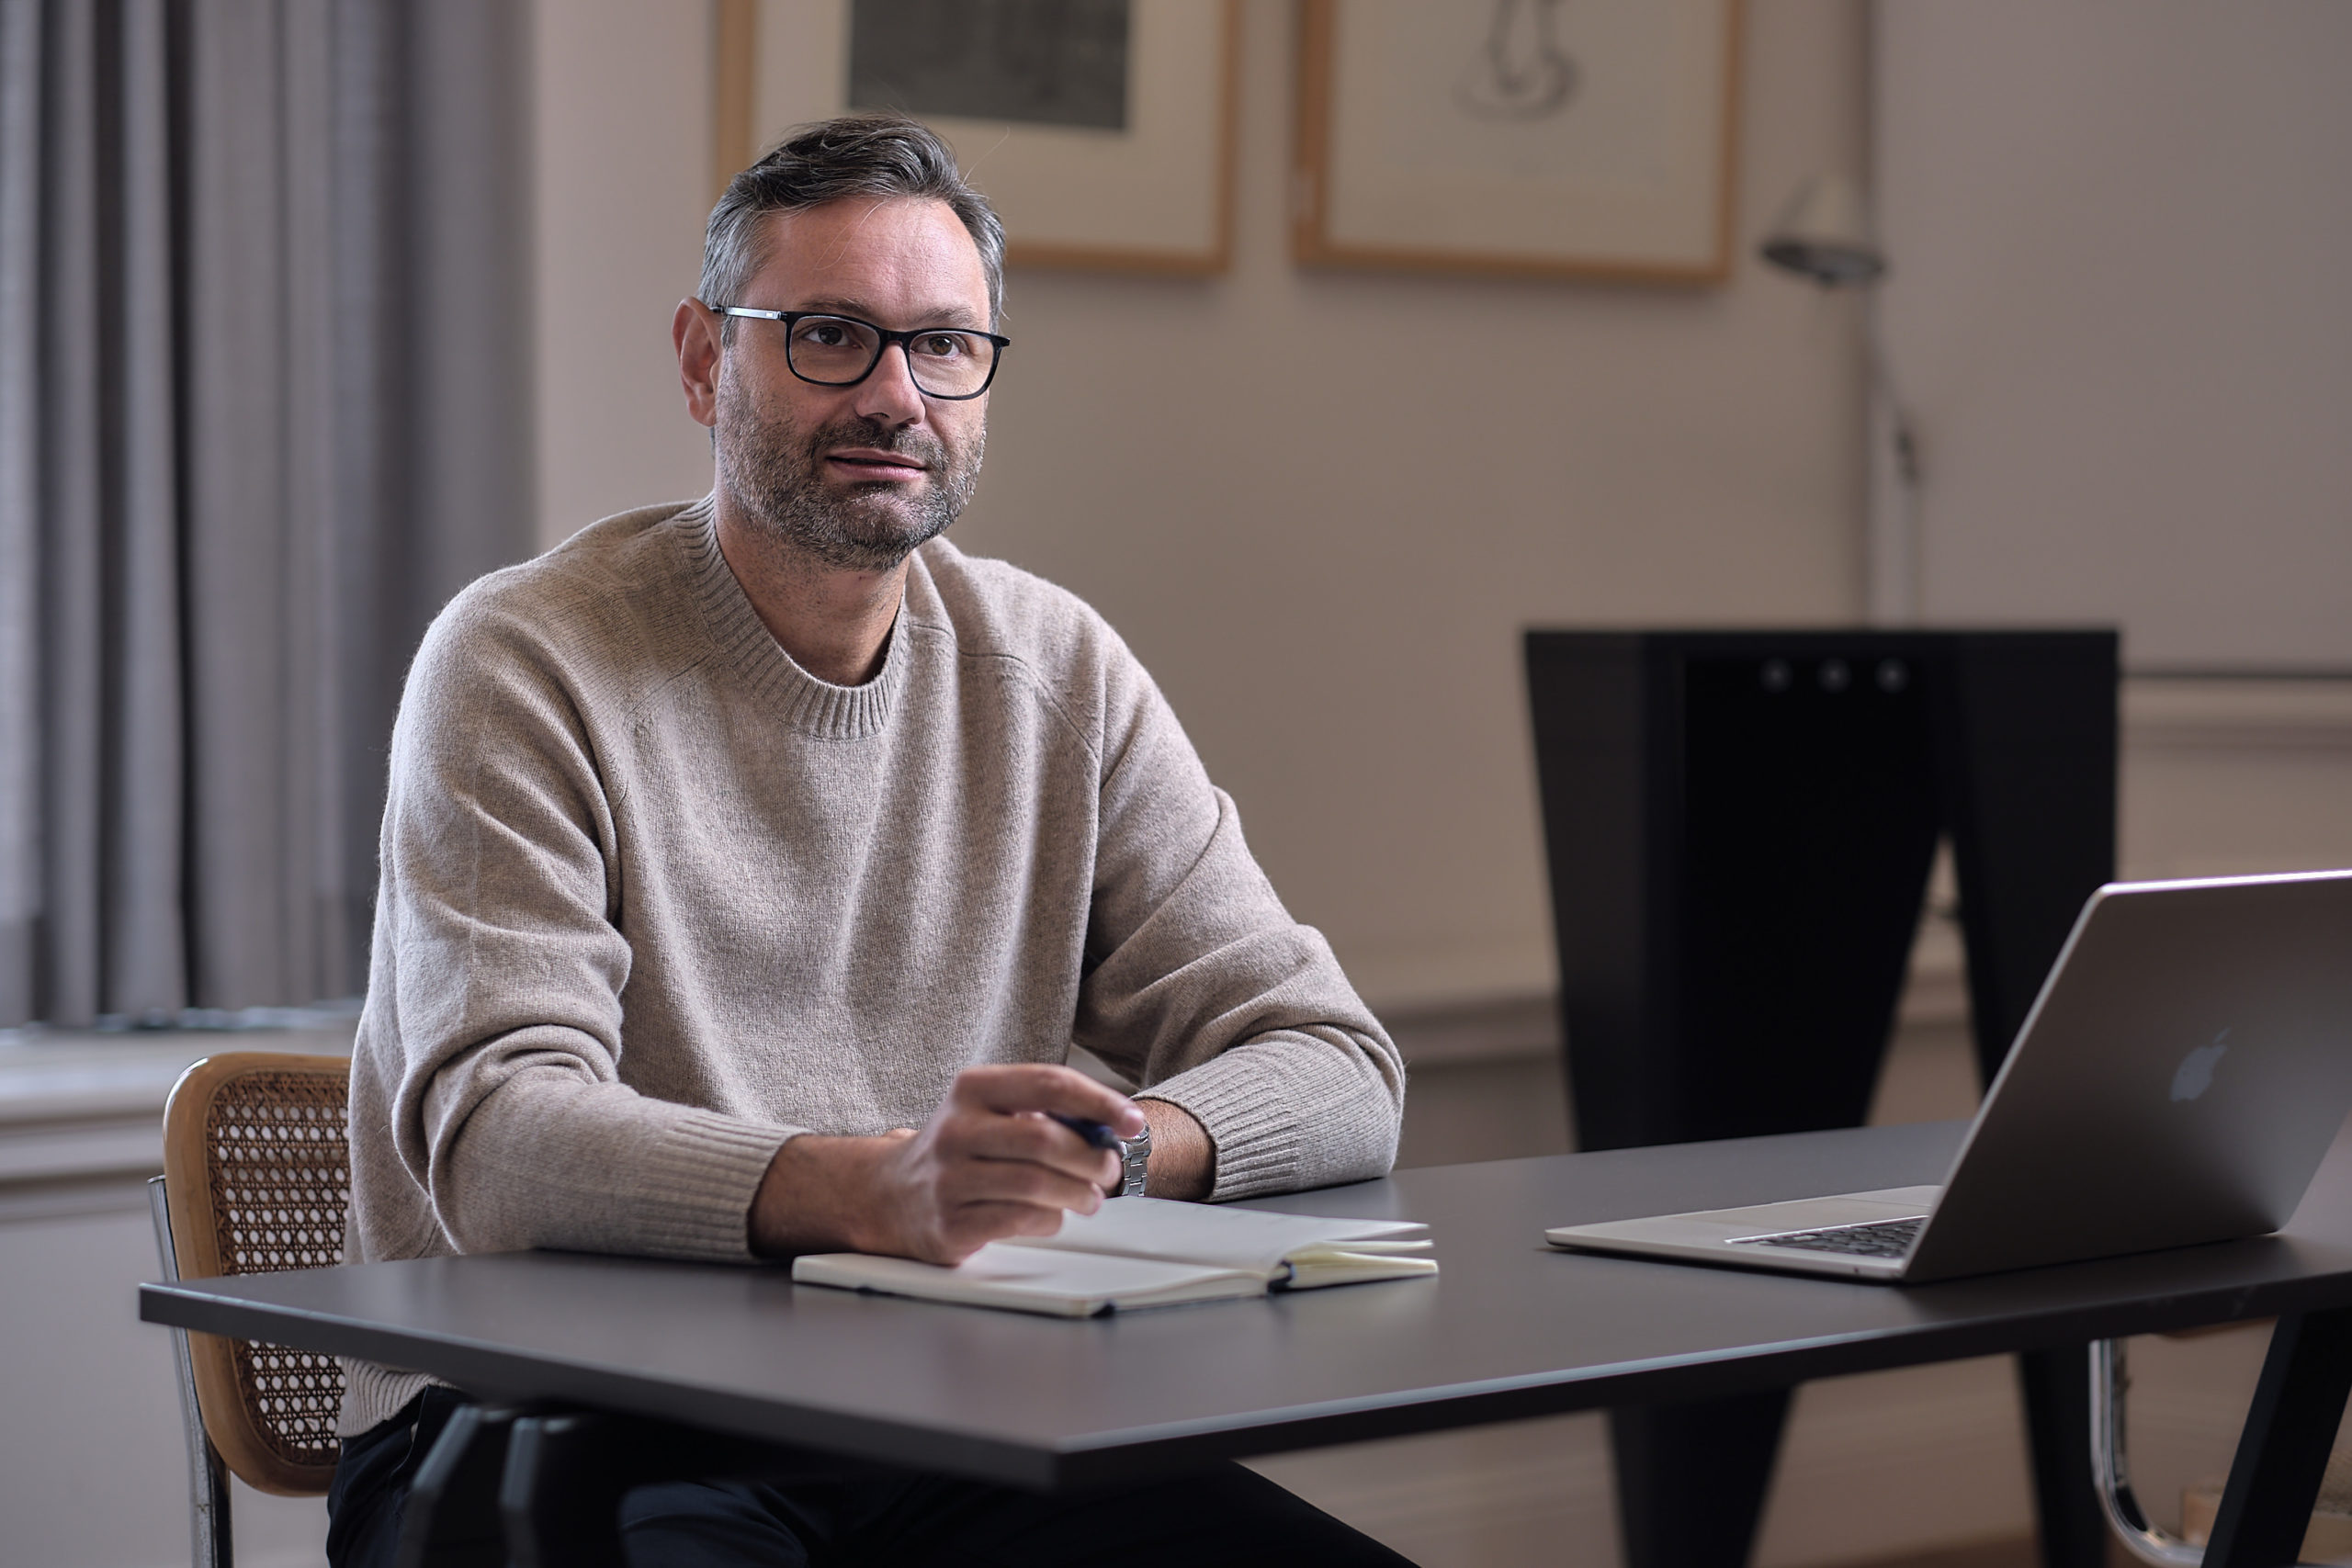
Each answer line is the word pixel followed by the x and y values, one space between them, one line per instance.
pixel 1098 1134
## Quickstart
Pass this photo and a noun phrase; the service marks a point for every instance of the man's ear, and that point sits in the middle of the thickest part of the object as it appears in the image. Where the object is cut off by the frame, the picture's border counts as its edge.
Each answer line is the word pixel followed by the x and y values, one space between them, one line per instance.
pixel 695 332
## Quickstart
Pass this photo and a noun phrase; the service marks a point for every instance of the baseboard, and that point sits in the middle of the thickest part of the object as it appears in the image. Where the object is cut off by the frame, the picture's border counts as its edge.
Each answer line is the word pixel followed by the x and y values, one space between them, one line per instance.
pixel 1497 1029
pixel 2236 714
pixel 1458 970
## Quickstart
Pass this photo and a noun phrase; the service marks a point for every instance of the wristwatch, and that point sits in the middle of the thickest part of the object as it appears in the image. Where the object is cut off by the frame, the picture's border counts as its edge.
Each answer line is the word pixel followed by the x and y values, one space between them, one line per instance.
pixel 1135 1156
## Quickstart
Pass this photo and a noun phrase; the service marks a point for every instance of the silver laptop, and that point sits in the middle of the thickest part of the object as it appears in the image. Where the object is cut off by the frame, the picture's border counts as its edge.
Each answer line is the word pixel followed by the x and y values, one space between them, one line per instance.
pixel 2178 1081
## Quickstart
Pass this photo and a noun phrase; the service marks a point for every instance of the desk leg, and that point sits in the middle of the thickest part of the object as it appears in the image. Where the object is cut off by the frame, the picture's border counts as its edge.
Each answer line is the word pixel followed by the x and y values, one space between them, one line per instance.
pixel 2283 1454
pixel 566 1476
pixel 561 1494
pixel 1691 1478
pixel 451 1517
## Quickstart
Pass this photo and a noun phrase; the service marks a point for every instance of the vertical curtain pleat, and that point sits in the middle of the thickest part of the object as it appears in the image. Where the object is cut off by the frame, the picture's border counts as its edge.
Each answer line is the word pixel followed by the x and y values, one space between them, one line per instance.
pixel 469 289
pixel 146 933
pixel 261 412
pixel 373 581
pixel 75 656
pixel 22 51
pixel 314 951
pixel 432 264
pixel 245 780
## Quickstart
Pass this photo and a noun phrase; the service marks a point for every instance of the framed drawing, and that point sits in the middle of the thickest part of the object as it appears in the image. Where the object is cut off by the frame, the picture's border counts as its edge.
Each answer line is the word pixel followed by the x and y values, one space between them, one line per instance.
pixel 1101 129
pixel 1546 138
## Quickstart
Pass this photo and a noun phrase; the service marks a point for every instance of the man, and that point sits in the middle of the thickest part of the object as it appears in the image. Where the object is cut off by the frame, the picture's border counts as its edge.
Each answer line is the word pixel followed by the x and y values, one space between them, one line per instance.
pixel 749 866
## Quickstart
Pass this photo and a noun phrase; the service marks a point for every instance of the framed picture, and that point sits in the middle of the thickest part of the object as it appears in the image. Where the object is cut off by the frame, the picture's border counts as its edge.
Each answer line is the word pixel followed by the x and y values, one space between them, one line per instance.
pixel 1101 131
pixel 1567 138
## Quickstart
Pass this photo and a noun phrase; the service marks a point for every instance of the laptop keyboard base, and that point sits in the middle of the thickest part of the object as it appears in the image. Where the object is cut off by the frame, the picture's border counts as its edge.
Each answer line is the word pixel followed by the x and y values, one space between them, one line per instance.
pixel 1879 1238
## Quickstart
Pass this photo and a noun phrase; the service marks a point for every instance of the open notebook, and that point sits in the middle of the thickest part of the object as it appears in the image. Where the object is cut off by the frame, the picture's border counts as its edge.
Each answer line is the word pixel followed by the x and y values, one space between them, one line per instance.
pixel 1144 1252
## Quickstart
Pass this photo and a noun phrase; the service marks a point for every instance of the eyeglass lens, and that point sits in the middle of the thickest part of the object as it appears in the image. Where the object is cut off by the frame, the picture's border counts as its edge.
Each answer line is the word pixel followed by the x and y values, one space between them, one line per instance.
pixel 836 351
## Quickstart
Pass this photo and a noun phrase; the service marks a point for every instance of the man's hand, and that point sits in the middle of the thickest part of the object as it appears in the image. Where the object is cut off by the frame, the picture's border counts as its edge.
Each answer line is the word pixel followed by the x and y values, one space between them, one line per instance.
pixel 990 1163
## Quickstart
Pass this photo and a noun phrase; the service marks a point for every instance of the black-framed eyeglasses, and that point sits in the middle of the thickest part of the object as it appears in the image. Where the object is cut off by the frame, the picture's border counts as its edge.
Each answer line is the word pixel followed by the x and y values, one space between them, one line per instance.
pixel 950 363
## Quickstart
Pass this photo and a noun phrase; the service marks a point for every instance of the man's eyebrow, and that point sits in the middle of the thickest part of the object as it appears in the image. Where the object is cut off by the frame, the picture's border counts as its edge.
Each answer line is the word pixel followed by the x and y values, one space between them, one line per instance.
pixel 940 316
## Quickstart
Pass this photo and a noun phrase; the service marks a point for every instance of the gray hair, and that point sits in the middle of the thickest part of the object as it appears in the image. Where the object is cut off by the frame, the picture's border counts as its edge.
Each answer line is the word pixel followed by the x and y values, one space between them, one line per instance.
pixel 867 155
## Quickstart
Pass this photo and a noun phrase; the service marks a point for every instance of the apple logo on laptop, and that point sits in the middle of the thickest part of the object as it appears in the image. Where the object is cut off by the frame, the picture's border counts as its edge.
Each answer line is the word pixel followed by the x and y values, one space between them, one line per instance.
pixel 2196 1074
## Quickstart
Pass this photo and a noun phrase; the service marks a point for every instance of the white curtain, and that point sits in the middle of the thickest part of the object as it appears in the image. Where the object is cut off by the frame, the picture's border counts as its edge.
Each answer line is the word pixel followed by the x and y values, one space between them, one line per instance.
pixel 262 410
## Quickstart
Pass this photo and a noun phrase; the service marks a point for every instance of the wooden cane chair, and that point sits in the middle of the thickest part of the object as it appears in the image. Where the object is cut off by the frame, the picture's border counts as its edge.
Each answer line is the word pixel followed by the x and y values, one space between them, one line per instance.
pixel 257 1180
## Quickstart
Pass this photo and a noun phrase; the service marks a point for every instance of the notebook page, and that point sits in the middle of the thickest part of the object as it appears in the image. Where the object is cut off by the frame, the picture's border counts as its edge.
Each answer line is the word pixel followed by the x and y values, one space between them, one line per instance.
pixel 1201 1232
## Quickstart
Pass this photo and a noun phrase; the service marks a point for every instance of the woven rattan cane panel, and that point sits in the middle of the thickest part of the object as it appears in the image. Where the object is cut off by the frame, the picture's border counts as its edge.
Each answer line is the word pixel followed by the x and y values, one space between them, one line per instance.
pixel 280 1162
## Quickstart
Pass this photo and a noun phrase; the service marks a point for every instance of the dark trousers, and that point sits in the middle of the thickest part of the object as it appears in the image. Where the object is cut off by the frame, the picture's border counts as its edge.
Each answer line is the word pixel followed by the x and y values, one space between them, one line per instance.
pixel 839 1512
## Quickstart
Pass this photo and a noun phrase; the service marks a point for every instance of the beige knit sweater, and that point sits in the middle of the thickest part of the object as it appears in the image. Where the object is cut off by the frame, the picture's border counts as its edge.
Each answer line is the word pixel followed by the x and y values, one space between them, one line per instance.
pixel 655 899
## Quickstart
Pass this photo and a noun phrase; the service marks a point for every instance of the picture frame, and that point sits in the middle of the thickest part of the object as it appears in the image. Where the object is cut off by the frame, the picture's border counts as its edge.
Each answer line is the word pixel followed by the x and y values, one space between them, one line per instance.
pixel 1519 138
pixel 1152 192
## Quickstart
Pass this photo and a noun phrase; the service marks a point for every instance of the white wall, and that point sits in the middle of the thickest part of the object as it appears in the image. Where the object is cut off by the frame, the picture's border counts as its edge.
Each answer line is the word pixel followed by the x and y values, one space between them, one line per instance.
pixel 621 124
pixel 2120 232
pixel 2227 777
pixel 1325 560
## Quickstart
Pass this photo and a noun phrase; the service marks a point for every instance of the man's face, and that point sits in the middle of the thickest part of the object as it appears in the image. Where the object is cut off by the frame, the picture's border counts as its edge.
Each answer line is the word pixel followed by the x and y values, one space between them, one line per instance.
pixel 855 476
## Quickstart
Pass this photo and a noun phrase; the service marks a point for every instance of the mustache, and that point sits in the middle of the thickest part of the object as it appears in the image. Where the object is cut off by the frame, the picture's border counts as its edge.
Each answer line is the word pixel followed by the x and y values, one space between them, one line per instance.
pixel 906 441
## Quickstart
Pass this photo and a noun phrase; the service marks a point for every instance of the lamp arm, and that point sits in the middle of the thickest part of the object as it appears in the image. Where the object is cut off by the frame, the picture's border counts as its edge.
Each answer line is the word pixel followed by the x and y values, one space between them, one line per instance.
pixel 1898 414
pixel 1893 564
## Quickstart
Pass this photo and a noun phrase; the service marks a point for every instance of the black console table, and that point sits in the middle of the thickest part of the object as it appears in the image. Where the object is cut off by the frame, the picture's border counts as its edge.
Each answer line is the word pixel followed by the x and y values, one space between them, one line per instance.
pixel 1739 827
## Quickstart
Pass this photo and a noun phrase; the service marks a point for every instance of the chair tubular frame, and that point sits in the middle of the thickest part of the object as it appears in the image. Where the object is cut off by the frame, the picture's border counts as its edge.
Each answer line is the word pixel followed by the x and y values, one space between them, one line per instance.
pixel 2110 1383
pixel 210 1543
pixel 221 1386
pixel 2111 1466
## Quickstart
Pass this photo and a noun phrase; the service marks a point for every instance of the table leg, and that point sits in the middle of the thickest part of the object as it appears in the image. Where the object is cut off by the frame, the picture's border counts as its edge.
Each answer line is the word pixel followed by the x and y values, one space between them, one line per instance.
pixel 450 1520
pixel 1691 1478
pixel 566 1474
pixel 560 1495
pixel 2282 1454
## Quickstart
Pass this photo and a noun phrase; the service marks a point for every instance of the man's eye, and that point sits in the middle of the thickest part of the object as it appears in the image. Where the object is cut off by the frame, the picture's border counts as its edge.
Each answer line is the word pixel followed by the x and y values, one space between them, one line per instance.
pixel 824 334
pixel 941 346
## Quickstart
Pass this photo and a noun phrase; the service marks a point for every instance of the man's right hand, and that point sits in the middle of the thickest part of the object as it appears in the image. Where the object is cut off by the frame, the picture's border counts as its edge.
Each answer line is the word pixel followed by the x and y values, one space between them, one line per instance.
pixel 990 1163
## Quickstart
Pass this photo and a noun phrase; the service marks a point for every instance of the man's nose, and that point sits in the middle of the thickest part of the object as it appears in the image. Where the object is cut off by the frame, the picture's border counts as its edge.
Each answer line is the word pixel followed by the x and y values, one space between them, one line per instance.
pixel 889 393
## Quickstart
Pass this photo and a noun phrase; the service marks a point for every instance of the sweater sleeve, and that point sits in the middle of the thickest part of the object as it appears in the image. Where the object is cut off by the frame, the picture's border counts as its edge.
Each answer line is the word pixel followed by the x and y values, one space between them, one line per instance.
pixel 493 1040
pixel 1201 987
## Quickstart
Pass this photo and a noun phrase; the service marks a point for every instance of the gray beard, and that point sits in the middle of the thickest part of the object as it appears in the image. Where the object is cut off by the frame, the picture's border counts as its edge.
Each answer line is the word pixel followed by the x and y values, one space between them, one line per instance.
pixel 769 469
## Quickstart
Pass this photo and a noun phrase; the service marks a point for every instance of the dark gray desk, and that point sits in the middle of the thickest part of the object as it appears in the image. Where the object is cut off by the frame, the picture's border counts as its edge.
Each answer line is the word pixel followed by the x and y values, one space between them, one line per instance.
pixel 1512 1328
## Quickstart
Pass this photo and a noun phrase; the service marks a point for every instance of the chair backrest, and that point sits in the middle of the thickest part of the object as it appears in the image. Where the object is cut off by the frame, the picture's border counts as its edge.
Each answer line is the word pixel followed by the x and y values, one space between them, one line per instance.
pixel 257 1176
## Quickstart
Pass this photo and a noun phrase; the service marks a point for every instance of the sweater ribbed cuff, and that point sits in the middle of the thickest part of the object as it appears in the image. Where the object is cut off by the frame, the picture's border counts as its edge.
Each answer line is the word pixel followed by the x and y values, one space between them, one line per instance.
pixel 1252 1115
pixel 696 1182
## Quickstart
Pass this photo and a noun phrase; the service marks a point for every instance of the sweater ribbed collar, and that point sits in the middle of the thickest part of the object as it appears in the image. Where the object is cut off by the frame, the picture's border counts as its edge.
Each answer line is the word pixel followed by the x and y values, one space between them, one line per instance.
pixel 816 708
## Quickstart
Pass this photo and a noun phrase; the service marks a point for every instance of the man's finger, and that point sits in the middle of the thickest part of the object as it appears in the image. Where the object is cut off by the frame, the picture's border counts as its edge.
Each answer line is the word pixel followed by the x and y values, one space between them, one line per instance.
pixel 1019 1182
pixel 1025 1136
pixel 1038 1085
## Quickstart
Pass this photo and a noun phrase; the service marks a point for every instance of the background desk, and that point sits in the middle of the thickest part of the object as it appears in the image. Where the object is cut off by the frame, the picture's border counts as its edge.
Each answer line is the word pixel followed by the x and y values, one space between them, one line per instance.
pixel 1512 1328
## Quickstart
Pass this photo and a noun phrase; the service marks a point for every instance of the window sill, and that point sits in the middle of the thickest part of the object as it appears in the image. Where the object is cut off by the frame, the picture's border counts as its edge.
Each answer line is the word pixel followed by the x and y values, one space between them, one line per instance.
pixel 81 1107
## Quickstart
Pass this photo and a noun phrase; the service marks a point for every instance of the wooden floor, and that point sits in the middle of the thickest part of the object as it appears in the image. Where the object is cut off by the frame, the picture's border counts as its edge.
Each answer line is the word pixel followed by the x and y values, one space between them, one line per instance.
pixel 2012 1553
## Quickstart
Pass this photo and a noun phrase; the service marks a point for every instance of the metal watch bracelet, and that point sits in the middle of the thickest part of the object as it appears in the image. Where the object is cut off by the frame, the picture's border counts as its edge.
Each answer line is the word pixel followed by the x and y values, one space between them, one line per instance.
pixel 1135 1157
